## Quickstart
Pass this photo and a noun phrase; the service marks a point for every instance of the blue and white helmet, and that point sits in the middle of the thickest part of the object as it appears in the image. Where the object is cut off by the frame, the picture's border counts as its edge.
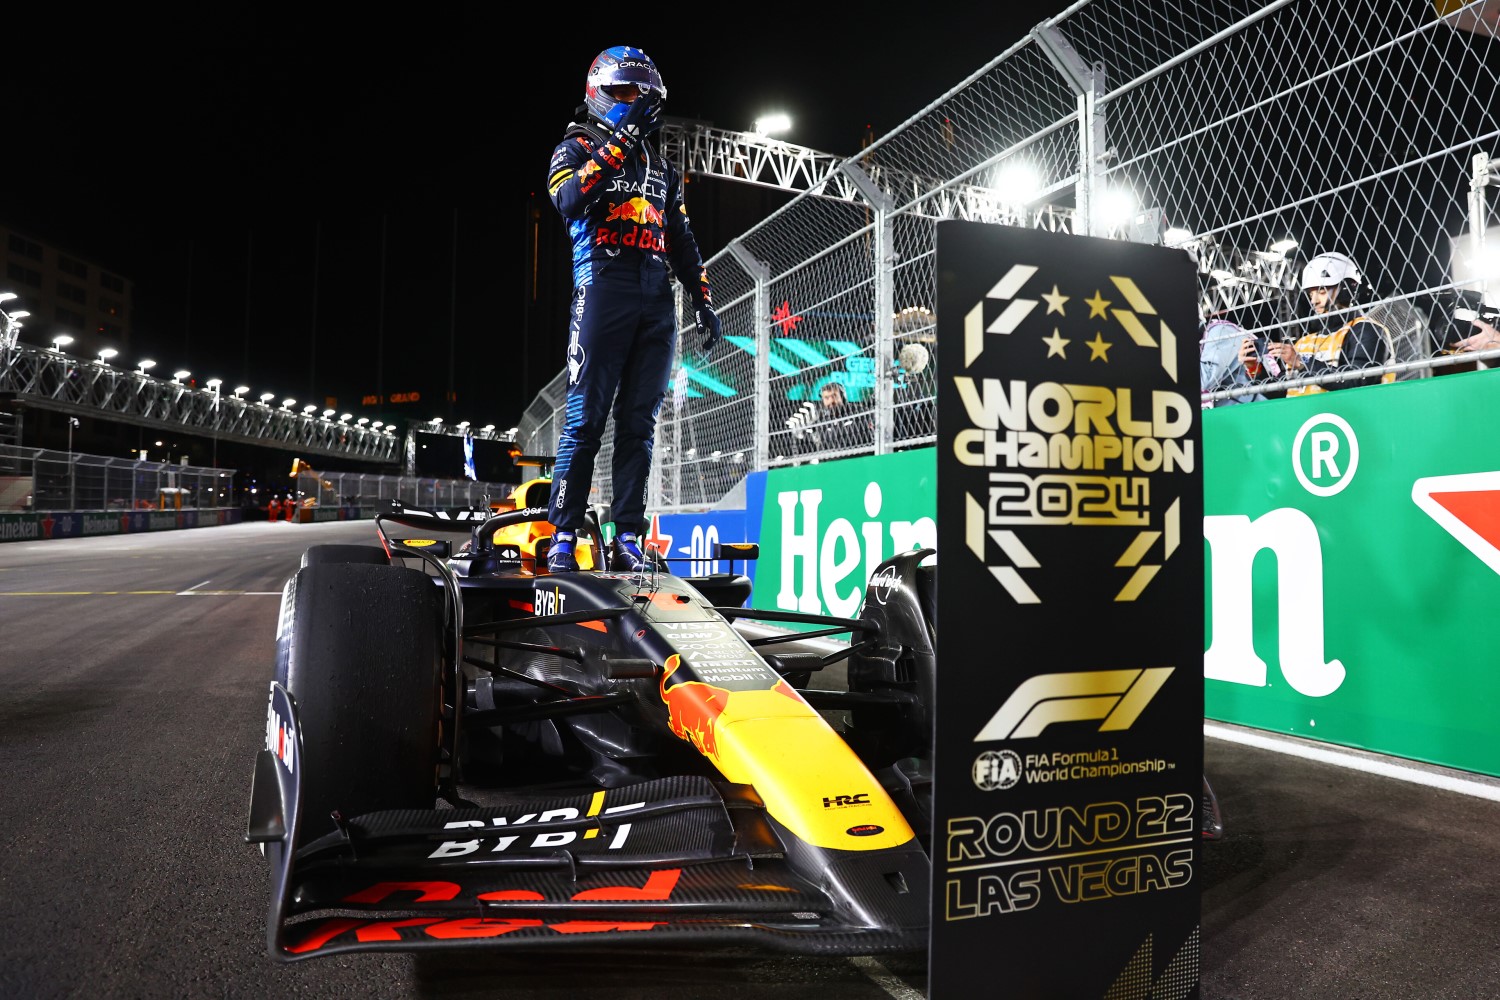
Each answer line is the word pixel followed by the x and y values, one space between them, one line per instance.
pixel 619 64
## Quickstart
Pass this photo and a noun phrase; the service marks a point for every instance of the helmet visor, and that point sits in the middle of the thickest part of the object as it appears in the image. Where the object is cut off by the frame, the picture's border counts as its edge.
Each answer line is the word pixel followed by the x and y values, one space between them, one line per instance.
pixel 643 75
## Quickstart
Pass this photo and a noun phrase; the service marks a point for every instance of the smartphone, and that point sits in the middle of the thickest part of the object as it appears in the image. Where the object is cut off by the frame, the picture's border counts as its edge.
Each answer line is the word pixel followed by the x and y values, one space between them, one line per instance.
pixel 1268 361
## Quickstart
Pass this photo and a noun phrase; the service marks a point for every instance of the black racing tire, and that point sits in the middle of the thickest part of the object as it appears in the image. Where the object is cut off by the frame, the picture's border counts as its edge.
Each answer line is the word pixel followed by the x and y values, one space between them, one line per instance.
pixel 318 554
pixel 361 650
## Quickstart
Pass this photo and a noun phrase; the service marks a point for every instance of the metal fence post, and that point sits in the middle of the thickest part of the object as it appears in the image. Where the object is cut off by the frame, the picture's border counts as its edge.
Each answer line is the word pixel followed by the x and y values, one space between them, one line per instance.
pixel 760 272
pixel 883 267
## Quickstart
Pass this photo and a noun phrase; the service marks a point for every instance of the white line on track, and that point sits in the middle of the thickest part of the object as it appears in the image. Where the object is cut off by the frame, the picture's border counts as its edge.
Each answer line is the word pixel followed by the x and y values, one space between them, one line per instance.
pixel 182 593
pixel 1477 786
pixel 882 977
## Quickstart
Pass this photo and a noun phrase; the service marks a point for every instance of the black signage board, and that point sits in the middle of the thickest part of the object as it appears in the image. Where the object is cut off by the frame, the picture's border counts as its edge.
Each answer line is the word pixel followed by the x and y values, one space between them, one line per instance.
pixel 1069 750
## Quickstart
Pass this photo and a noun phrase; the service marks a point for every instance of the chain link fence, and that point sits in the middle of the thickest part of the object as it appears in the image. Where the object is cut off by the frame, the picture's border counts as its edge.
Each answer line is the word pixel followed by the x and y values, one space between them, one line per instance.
pixel 374 493
pixel 41 480
pixel 33 479
pixel 1252 136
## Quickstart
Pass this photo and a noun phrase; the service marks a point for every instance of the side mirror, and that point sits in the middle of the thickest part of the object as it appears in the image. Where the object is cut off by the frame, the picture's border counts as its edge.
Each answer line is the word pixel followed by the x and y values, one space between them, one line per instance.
pixel 737 550
pixel 435 546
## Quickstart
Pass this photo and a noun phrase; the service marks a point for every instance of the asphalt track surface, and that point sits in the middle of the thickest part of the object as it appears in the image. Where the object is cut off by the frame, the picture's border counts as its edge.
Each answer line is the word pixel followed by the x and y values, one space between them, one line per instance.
pixel 133 675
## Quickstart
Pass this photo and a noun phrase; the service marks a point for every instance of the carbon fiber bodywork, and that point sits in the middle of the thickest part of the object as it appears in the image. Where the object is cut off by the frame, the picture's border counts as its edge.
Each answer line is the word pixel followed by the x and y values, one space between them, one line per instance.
pixel 616 765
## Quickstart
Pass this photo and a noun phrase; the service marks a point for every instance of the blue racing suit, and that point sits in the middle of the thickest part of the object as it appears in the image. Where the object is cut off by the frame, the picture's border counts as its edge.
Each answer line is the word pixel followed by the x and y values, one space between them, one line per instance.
pixel 622 202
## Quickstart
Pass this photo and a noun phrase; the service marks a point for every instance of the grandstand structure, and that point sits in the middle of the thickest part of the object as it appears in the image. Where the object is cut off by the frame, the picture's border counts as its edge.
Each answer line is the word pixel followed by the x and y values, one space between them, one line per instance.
pixel 1251 137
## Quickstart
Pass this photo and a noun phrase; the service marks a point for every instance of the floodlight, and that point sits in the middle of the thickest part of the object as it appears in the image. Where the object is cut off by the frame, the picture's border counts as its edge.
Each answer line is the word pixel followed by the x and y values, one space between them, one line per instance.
pixel 772 123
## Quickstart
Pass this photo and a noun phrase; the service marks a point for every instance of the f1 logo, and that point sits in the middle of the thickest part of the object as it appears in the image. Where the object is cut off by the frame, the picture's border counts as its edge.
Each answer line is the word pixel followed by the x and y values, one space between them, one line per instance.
pixel 1116 696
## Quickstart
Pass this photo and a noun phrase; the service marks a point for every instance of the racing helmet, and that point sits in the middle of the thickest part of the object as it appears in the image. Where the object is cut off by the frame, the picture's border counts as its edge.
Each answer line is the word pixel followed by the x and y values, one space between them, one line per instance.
pixel 619 64
pixel 1333 270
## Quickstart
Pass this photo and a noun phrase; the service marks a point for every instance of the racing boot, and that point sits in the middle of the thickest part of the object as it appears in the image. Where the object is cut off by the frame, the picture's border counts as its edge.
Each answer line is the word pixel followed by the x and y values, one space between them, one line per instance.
pixel 625 554
pixel 560 556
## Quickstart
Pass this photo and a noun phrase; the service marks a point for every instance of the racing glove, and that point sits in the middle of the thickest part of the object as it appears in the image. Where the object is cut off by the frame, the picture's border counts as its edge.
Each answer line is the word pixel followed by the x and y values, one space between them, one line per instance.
pixel 709 326
pixel 643 118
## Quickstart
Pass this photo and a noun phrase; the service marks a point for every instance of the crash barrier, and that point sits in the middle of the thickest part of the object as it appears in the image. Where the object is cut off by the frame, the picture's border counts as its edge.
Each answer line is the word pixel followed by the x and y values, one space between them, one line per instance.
pixel 38 479
pixel 1353 548
pixel 53 494
pixel 374 493
pixel 49 525
pixel 1253 140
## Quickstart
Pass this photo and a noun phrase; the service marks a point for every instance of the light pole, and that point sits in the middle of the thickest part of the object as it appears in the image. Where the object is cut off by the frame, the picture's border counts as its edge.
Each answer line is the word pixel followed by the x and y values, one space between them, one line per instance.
pixel 72 423
pixel 10 323
pixel 214 386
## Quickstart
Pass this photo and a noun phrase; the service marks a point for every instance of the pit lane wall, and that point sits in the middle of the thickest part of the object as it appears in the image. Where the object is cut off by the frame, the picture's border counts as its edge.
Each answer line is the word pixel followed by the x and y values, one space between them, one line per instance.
pixel 1353 547
pixel 80 524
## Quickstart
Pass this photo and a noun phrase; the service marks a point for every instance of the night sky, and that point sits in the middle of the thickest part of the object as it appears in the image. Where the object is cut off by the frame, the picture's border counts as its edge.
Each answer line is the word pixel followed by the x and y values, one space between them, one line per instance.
pixel 245 172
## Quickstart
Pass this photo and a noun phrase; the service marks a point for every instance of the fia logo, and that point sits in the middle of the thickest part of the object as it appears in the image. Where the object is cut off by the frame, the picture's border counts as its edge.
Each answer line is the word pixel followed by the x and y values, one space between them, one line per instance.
pixel 996 770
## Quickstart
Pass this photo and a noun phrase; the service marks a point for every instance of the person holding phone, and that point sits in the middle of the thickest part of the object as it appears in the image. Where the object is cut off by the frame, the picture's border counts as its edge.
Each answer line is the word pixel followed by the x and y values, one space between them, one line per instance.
pixel 1343 340
pixel 1486 339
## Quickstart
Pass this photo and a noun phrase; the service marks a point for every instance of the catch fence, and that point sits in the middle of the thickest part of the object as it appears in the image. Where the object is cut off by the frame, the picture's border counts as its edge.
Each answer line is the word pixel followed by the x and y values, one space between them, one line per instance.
pixel 38 479
pixel 1252 137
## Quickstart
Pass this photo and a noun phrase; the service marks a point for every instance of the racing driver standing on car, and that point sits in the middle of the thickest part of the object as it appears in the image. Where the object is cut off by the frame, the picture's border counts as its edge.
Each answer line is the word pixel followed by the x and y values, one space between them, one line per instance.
pixel 622 202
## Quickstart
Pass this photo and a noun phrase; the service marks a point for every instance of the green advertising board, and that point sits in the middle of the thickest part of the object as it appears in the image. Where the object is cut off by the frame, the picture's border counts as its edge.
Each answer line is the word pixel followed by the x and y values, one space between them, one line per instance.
pixel 825 528
pixel 1353 578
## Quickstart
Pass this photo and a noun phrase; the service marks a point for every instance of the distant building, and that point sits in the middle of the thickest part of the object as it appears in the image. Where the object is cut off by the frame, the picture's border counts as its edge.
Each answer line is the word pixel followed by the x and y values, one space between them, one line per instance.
pixel 64 294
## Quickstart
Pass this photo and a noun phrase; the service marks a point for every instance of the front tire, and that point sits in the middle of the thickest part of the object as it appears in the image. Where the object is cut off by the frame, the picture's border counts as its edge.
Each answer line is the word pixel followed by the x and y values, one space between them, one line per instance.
pixel 361 652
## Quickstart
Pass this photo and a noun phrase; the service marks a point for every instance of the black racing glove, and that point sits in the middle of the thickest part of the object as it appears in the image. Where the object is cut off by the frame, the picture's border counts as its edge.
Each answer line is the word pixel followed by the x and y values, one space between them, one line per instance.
pixel 710 327
pixel 643 118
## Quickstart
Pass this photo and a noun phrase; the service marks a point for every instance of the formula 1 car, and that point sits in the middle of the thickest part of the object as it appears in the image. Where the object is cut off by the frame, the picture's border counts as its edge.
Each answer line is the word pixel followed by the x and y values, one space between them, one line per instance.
pixel 465 751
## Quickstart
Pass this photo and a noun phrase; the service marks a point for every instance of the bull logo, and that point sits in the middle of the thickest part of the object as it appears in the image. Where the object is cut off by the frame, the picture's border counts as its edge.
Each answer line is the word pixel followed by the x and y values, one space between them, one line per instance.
pixel 693 709
pixel 635 210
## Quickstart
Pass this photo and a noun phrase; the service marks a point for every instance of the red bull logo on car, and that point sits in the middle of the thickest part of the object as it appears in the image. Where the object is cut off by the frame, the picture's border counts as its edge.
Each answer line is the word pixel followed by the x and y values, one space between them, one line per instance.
pixel 693 708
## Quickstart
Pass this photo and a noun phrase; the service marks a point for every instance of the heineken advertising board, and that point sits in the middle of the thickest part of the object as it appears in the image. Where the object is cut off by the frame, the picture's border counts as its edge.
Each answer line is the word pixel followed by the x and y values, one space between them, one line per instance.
pixel 1069 716
pixel 49 525
pixel 1353 543
pixel 825 527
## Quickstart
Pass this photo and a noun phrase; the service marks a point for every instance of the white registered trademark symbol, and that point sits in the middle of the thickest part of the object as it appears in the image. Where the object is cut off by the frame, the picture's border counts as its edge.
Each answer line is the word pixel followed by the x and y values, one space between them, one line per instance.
pixel 1326 466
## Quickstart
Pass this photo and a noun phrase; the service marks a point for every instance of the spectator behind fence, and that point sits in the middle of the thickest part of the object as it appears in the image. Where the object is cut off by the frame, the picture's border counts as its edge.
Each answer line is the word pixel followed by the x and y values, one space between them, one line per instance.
pixel 1219 363
pixel 1486 339
pixel 1333 284
pixel 829 425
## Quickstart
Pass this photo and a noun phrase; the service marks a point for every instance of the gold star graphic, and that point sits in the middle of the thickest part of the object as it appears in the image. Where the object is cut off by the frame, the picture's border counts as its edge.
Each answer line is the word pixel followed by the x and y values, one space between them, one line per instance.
pixel 1056 344
pixel 1098 346
pixel 1097 304
pixel 1055 302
